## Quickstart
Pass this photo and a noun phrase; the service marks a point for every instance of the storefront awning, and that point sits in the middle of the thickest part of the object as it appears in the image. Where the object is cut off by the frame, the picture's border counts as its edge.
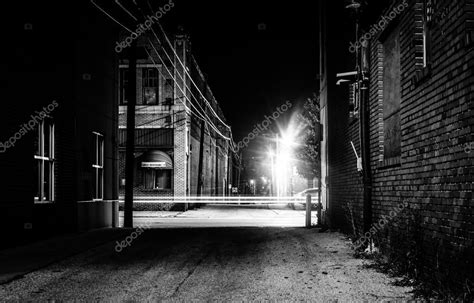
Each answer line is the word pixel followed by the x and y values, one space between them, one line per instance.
pixel 157 160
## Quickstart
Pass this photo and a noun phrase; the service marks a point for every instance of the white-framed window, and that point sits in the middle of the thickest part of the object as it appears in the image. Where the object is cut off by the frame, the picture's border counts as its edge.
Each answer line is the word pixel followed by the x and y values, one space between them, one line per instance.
pixel 98 167
pixel 44 162
pixel 428 8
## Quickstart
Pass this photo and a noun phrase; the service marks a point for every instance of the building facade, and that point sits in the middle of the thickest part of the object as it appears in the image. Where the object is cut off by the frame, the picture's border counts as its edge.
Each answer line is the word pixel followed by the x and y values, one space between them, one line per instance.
pixel 398 161
pixel 58 153
pixel 180 146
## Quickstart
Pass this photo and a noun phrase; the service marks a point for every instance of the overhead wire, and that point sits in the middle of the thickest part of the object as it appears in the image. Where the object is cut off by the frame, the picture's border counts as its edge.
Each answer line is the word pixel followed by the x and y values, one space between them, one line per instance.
pixel 200 115
pixel 184 68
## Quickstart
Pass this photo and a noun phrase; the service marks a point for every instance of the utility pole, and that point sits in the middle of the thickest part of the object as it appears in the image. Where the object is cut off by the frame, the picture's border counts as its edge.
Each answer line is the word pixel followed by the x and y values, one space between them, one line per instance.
pixel 277 153
pixel 229 176
pixel 239 171
pixel 217 169
pixel 130 157
pixel 201 159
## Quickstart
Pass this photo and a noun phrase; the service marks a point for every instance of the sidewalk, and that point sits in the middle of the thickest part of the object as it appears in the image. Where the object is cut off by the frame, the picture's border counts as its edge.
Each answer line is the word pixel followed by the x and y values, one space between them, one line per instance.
pixel 224 215
pixel 21 260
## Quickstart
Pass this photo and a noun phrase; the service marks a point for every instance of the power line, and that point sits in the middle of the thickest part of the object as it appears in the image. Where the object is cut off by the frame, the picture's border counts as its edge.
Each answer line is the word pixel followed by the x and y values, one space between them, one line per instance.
pixel 200 116
pixel 184 68
pixel 192 105
pixel 102 10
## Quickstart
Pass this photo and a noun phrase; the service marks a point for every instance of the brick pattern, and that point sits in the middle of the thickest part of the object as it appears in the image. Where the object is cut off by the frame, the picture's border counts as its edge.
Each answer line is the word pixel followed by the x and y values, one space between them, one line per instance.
pixel 180 158
pixel 436 174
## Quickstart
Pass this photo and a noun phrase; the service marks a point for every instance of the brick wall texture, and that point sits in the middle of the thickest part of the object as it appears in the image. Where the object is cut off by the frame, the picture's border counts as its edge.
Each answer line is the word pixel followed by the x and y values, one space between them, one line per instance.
pixel 435 176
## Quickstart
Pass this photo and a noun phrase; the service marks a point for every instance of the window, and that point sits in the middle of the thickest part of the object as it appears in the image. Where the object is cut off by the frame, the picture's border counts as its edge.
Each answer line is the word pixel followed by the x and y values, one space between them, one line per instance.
pixel 98 167
pixel 169 91
pixel 123 86
pixel 44 156
pixel 391 95
pixel 428 7
pixel 150 86
pixel 157 178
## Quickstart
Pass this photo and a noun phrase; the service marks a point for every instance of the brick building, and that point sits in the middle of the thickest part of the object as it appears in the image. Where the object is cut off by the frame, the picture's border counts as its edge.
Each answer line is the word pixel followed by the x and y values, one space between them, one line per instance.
pixel 173 97
pixel 404 98
pixel 58 155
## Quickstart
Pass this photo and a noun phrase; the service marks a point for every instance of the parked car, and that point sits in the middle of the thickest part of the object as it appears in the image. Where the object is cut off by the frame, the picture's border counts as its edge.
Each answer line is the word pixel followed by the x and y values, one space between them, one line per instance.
pixel 302 195
pixel 311 191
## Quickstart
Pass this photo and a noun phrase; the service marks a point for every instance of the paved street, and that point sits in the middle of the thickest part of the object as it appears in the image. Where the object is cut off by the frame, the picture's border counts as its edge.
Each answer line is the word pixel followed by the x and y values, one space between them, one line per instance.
pixel 222 264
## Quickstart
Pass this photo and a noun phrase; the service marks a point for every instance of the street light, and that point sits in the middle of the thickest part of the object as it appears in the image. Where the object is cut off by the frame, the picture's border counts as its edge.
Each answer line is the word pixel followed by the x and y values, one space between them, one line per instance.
pixel 252 186
pixel 286 143
pixel 271 155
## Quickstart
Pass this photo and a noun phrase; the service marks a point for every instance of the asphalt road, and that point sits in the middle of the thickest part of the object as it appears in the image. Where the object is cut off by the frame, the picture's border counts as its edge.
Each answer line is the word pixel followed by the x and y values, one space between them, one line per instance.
pixel 211 264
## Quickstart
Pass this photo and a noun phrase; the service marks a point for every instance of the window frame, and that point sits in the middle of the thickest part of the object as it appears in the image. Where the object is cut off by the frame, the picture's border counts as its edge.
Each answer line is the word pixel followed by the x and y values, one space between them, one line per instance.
pixel 98 167
pixel 384 160
pixel 43 160
pixel 123 81
pixel 153 175
pixel 428 13
pixel 150 82
pixel 168 91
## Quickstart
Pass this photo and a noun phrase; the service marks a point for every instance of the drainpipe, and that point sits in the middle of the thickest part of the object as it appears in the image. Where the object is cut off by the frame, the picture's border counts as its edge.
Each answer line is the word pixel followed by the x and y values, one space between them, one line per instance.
pixel 365 145
pixel 364 127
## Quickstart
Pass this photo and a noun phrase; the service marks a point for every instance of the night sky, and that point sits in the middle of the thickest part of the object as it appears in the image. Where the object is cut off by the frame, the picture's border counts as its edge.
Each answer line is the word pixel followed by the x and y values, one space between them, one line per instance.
pixel 255 55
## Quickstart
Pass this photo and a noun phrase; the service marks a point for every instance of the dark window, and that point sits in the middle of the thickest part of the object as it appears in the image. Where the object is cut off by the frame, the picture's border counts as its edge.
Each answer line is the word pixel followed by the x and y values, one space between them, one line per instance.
pixel 124 74
pixel 169 92
pixel 157 179
pixel 391 95
pixel 150 86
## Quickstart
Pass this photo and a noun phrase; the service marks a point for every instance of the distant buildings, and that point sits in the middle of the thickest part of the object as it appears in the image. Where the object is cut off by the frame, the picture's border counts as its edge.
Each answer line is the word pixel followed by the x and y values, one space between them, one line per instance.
pixel 407 107
pixel 183 146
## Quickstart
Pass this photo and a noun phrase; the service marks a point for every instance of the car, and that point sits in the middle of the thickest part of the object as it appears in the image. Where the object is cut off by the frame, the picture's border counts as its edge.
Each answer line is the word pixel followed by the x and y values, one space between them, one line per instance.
pixel 310 191
pixel 314 192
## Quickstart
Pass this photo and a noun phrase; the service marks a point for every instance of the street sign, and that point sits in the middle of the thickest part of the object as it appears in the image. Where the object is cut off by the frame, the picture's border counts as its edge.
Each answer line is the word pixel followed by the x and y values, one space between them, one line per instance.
pixel 153 164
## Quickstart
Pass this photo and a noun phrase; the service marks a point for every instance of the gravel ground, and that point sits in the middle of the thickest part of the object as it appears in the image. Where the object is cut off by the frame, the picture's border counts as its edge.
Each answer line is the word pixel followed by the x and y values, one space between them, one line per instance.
pixel 212 264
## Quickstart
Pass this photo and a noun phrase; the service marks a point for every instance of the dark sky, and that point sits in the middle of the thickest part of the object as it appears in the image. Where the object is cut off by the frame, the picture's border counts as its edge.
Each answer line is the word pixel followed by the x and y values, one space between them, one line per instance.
pixel 256 54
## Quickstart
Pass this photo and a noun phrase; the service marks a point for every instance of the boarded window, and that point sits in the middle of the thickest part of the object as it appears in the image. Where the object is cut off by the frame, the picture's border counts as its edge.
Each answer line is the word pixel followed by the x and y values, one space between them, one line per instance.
pixel 391 95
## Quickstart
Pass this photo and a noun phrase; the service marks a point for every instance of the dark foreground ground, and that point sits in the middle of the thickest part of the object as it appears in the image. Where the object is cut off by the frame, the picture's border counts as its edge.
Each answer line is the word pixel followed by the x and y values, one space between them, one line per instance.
pixel 202 264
